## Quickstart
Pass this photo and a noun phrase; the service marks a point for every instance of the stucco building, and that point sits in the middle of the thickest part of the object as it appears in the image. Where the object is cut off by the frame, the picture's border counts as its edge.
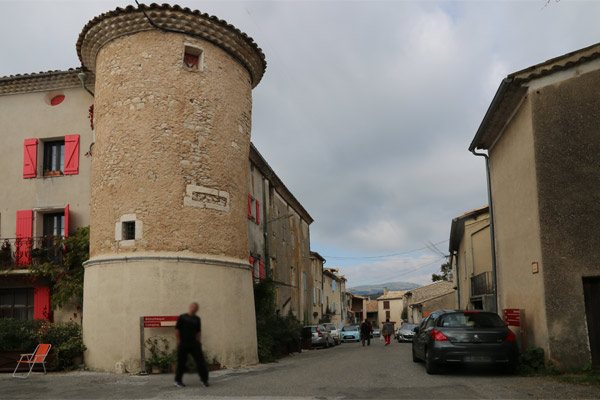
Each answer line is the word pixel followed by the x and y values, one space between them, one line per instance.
pixel 471 259
pixel 181 206
pixel 357 308
pixel 421 301
pixel 390 306
pixel 541 136
pixel 334 295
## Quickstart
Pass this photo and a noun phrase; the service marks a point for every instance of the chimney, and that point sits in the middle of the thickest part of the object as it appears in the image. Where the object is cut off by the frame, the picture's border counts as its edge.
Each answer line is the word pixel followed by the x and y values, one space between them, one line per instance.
pixel 384 290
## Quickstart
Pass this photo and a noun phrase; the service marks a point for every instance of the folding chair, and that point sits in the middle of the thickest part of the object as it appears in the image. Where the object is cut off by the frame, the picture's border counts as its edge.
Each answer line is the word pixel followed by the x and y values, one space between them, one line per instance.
pixel 37 357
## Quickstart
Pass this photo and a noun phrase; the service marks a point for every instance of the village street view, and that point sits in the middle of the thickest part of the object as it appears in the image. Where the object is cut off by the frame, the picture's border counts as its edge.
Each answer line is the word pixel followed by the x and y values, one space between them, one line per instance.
pixel 289 199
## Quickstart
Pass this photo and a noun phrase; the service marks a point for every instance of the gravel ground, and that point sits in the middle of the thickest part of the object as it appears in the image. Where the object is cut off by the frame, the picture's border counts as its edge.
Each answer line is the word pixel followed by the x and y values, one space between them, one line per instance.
pixel 347 371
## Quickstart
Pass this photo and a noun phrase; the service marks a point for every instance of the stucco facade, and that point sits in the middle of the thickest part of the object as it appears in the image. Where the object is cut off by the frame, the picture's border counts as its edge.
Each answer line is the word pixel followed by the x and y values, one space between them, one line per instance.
pixel 471 259
pixel 334 295
pixel 542 141
pixel 390 306
pixel 421 301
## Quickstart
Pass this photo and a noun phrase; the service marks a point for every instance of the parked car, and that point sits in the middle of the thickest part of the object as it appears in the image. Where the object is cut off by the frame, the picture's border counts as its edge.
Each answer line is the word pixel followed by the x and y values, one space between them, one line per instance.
pixel 351 333
pixel 334 332
pixel 376 332
pixel 405 333
pixel 464 337
pixel 320 336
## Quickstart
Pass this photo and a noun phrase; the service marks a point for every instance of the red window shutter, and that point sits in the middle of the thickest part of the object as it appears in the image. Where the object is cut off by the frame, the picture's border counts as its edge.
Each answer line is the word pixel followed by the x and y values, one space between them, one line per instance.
pixel 257 212
pixel 67 220
pixel 252 264
pixel 41 303
pixel 71 154
pixel 249 206
pixel 30 158
pixel 24 233
pixel 262 269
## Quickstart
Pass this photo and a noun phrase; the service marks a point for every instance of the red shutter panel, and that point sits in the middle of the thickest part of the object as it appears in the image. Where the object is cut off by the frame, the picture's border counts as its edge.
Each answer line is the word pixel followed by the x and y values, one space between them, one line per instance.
pixel 262 269
pixel 252 265
pixel 249 206
pixel 71 154
pixel 30 158
pixel 257 212
pixel 41 303
pixel 67 221
pixel 24 233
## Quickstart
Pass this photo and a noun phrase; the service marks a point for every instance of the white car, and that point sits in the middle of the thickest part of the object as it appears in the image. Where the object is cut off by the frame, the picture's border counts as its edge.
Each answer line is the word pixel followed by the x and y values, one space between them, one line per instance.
pixel 334 331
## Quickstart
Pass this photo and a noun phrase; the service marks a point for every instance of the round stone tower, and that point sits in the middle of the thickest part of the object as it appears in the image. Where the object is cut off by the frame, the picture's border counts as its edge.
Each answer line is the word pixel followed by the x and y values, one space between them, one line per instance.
pixel 173 99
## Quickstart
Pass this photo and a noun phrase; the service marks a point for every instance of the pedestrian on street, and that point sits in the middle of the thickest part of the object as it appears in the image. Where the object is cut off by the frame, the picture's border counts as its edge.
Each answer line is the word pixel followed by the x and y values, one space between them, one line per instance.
pixel 188 332
pixel 365 332
pixel 387 331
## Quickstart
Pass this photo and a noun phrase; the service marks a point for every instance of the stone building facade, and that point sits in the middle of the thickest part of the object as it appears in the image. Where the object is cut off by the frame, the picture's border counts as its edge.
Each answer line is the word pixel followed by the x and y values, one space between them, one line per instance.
pixel 541 137
pixel 390 306
pixel 334 295
pixel 181 206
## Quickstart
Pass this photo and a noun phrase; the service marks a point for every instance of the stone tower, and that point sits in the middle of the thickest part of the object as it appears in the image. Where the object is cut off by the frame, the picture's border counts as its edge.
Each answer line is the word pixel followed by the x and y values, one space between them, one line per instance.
pixel 173 99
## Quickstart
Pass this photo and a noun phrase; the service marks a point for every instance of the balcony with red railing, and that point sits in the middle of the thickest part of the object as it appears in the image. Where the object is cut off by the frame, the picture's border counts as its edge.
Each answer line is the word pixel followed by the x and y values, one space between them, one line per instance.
pixel 22 253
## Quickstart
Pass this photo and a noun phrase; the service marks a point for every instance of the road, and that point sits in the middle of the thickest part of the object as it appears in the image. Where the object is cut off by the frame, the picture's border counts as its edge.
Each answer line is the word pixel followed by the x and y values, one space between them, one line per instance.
pixel 347 371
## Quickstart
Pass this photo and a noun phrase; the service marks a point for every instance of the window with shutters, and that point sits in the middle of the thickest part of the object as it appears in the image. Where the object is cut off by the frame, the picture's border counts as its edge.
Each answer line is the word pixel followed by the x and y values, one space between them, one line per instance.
pixel 193 58
pixel 386 305
pixel 16 303
pixel 387 315
pixel 54 158
pixel 253 209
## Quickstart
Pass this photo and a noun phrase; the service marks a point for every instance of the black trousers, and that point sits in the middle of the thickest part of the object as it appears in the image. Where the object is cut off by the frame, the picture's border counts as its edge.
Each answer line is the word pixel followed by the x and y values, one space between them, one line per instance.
pixel 365 337
pixel 195 349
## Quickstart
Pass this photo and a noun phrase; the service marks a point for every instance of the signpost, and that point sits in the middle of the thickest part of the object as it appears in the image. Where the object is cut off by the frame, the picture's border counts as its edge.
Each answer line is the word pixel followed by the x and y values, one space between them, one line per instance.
pixel 153 322
pixel 516 317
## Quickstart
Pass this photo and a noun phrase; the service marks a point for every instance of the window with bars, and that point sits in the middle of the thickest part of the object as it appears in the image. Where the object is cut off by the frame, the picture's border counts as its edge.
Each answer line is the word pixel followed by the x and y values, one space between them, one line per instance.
pixel 128 230
pixel 16 303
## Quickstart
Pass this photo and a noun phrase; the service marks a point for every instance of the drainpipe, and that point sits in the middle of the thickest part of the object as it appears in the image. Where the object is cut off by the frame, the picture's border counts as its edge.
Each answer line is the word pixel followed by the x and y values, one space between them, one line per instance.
pixel 492 235
pixel 454 258
pixel 83 78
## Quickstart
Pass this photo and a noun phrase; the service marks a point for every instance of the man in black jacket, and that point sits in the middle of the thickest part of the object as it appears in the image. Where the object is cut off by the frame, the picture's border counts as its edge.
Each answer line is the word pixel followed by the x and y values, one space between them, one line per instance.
pixel 365 332
pixel 188 333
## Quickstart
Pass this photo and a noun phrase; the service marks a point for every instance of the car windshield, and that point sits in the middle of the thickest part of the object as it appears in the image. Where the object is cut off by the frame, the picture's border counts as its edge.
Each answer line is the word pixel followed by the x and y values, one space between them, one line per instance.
pixel 350 328
pixel 470 320
pixel 330 327
pixel 408 327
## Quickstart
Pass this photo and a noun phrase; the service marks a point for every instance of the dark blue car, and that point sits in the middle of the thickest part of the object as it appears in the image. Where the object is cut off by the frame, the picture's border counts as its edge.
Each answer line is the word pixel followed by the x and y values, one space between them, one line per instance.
pixel 464 337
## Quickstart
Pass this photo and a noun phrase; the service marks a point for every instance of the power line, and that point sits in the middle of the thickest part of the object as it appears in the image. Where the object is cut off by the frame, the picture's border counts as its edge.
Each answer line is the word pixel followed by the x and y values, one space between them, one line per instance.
pixel 386 255
pixel 398 274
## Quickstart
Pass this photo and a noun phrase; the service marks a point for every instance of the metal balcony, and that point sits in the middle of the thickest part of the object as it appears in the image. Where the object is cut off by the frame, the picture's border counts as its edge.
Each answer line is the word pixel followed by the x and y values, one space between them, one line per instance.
pixel 481 284
pixel 22 253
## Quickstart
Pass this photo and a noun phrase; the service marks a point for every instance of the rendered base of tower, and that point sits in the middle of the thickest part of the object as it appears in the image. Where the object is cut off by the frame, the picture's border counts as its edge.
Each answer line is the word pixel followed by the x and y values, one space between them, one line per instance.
pixel 120 290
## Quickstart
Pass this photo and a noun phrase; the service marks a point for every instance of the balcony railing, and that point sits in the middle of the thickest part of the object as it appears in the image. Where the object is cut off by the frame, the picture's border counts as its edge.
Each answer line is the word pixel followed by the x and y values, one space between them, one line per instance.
pixel 481 284
pixel 21 253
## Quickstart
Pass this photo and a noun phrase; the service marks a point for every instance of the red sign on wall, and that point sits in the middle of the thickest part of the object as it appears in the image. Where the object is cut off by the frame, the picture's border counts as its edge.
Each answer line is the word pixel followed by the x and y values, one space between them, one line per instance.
pixel 160 322
pixel 512 316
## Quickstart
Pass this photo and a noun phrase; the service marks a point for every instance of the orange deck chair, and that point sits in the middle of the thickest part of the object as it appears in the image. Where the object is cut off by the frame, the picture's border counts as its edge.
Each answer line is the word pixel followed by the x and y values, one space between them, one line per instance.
pixel 37 357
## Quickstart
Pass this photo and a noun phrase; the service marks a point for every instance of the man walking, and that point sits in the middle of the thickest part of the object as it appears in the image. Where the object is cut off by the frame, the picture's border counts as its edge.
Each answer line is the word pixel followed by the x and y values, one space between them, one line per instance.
pixel 365 332
pixel 387 331
pixel 188 332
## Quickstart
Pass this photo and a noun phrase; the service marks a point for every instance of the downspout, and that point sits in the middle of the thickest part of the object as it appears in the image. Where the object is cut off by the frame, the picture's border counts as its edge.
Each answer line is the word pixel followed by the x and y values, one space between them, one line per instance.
pixel 453 256
pixel 83 77
pixel 471 247
pixel 492 235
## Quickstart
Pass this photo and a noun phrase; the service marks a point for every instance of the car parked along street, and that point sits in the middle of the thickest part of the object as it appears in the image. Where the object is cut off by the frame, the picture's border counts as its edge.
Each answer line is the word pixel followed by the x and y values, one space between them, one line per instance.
pixel 406 332
pixel 464 337
pixel 351 333
pixel 320 336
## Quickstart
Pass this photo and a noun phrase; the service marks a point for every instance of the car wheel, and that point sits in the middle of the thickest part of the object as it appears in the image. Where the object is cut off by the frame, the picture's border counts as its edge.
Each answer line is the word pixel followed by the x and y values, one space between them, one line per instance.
pixel 414 355
pixel 430 366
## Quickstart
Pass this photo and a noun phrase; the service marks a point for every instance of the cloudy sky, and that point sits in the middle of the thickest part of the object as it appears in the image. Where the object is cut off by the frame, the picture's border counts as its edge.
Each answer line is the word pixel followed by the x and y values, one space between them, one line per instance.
pixel 367 108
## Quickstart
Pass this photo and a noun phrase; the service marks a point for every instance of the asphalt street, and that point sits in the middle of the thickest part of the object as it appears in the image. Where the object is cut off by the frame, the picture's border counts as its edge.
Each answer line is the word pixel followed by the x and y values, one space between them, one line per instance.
pixel 346 371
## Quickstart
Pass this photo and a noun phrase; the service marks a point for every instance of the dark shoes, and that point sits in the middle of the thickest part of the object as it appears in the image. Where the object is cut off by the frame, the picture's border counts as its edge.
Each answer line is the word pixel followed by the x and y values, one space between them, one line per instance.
pixel 205 383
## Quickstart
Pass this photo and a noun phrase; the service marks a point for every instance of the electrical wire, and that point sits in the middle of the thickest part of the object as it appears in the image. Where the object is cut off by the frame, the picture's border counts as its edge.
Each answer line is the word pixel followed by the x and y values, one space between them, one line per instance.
pixel 386 255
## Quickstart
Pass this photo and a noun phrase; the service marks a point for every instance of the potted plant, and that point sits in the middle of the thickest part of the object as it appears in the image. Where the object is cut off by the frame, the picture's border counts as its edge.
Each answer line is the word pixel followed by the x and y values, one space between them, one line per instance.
pixel 39 255
pixel 161 356
pixel 214 365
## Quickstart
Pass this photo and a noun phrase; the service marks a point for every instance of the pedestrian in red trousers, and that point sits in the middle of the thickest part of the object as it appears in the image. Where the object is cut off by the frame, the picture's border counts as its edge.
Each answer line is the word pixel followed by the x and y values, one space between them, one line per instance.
pixel 387 331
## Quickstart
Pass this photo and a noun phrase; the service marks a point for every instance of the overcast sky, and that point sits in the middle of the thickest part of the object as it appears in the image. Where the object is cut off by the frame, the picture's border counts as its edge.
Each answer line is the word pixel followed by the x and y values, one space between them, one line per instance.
pixel 366 110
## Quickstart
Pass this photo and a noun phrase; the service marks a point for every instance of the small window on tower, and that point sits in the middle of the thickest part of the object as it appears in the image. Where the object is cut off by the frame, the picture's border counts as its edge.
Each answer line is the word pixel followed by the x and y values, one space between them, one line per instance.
pixel 192 59
pixel 128 230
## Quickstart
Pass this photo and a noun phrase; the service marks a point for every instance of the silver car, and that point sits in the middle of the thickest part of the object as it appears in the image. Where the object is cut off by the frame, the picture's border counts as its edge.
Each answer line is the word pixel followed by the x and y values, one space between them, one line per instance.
pixel 320 336
pixel 334 332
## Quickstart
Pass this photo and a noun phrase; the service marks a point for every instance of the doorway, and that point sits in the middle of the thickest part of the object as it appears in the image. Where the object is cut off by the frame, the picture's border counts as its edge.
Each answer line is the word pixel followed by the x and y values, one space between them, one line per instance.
pixel 591 295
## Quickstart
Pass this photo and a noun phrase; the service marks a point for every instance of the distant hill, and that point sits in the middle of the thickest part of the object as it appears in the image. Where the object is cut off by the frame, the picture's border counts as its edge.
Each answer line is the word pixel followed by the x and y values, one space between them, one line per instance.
pixel 371 290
